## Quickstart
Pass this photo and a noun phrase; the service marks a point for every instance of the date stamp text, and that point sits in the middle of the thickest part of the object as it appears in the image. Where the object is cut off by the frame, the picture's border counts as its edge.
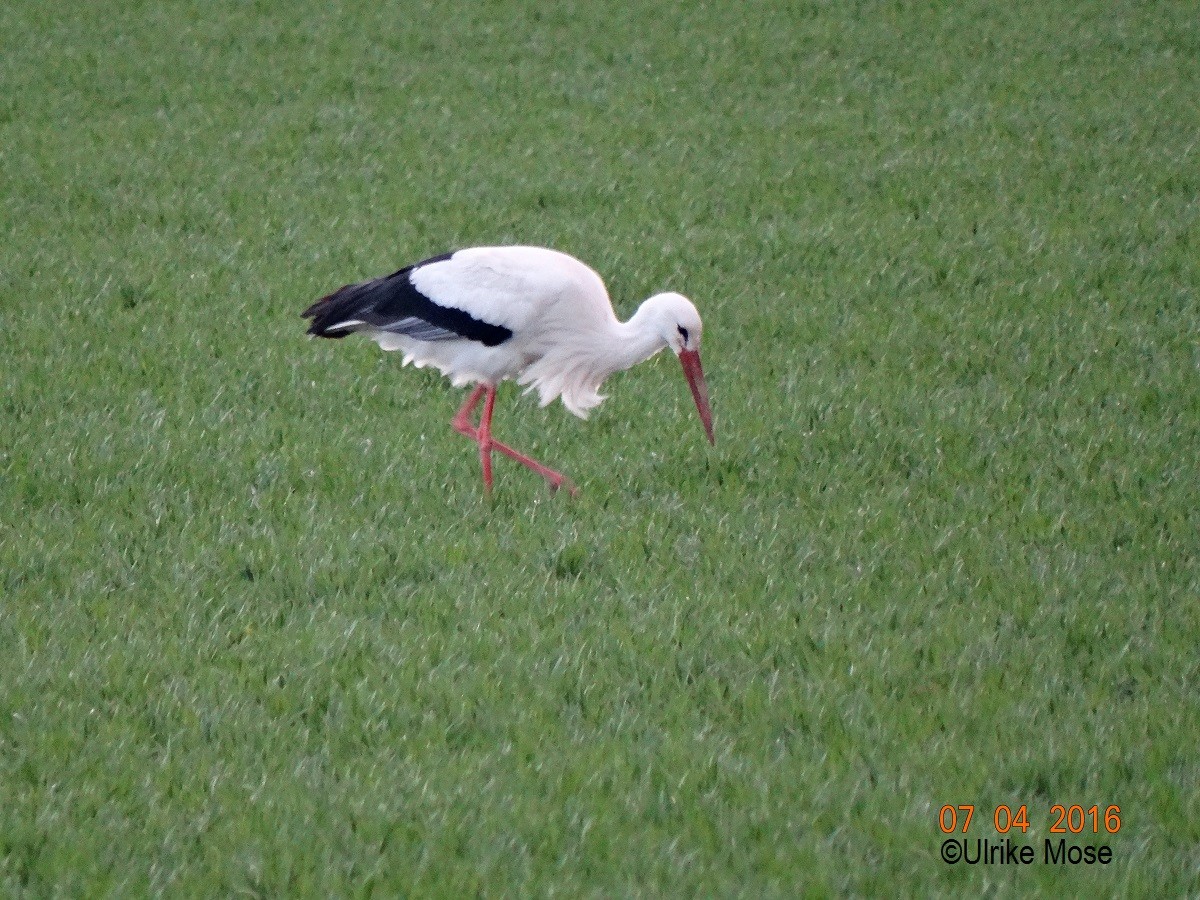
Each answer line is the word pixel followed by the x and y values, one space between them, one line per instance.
pixel 1076 835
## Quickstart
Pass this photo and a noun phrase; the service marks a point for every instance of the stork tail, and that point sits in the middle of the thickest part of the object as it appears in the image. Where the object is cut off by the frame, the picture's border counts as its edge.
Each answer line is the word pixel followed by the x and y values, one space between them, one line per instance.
pixel 332 314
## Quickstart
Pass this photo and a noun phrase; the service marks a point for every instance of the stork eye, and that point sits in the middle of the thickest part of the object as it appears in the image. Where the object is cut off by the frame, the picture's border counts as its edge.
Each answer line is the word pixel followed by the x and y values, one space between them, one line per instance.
pixel 683 333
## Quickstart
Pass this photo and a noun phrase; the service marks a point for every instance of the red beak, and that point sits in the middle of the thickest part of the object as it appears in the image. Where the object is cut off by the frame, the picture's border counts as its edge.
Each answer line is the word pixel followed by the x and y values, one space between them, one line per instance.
pixel 695 378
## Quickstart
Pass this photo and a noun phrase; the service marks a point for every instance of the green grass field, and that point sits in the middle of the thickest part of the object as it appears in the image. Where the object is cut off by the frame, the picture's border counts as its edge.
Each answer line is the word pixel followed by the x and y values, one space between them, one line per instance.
pixel 262 634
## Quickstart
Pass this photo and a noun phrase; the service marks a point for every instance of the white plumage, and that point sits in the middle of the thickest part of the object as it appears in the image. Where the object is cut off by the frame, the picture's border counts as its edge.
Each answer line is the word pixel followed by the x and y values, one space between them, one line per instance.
pixel 538 316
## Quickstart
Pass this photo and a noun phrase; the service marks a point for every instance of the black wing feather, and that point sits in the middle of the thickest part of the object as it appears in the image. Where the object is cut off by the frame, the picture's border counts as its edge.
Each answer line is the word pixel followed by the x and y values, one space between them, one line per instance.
pixel 394 304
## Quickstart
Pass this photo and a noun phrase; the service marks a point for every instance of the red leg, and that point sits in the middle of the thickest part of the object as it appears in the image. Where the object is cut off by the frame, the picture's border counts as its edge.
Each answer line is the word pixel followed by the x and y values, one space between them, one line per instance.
pixel 483 437
pixel 462 420
pixel 556 479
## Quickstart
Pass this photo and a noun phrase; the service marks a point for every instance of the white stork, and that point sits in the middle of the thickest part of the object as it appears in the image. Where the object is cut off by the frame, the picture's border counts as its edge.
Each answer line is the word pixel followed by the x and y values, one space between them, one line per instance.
pixel 543 318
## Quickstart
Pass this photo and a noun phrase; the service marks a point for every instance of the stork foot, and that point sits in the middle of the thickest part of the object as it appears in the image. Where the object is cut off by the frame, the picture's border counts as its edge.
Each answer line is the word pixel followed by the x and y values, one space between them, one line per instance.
pixel 565 483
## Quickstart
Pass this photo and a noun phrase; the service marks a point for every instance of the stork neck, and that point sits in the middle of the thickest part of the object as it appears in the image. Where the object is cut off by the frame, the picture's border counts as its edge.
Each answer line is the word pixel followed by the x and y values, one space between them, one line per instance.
pixel 635 341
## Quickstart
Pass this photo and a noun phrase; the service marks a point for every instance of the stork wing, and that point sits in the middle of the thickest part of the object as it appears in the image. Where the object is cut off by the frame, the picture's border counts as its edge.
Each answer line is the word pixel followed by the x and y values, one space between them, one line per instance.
pixel 395 304
pixel 523 289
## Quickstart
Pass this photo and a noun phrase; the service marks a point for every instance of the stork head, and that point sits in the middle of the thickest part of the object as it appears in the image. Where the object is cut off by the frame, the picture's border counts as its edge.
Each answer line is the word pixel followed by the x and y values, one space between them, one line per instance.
pixel 678 324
